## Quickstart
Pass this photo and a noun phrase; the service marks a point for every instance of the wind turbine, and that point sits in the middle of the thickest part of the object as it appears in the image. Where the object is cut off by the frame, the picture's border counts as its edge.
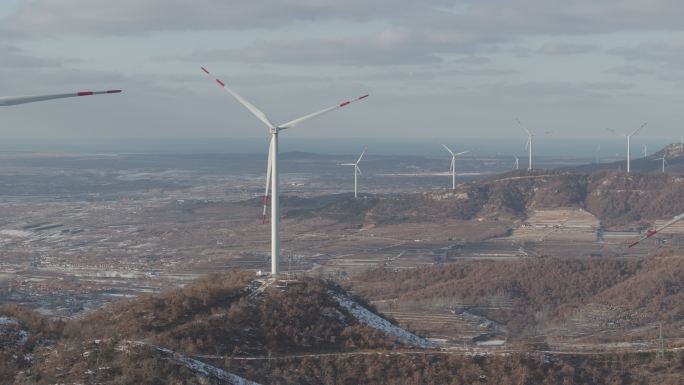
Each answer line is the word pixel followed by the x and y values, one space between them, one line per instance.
pixel 645 151
pixel 664 162
pixel 629 150
pixel 14 100
pixel 517 162
pixel 357 170
pixel 528 146
pixel 272 168
pixel 453 165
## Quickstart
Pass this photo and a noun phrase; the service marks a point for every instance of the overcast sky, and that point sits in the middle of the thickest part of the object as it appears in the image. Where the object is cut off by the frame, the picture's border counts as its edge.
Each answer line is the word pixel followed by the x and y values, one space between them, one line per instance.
pixel 439 68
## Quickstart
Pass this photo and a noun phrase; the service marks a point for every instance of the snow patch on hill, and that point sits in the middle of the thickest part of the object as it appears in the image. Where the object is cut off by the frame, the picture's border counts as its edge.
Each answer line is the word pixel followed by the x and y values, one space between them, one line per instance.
pixel 206 369
pixel 371 319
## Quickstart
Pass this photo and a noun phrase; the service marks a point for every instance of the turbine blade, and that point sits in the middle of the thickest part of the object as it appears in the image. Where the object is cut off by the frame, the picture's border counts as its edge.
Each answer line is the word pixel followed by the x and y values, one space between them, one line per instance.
pixel 358 169
pixel 448 149
pixel 268 179
pixel 347 164
pixel 523 127
pixel 651 233
pixel 297 121
pixel 255 111
pixel 362 153
pixel 638 129
pixel 13 100
pixel 462 152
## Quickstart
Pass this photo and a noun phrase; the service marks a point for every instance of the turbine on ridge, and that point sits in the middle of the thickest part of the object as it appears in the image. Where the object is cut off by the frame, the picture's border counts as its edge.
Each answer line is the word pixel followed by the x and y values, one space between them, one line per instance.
pixel 453 165
pixel 272 167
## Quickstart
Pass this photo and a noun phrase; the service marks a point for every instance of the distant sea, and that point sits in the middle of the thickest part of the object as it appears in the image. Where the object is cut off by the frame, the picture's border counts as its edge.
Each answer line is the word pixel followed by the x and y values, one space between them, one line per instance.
pixel 571 148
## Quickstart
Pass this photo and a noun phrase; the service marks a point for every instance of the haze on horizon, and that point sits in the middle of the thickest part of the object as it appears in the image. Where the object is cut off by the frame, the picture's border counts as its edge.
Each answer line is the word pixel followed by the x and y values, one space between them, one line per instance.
pixel 442 69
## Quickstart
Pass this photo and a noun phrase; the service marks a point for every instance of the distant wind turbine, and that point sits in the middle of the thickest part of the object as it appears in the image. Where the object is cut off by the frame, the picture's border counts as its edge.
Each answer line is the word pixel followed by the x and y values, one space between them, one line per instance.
pixel 645 151
pixel 453 165
pixel 357 170
pixel 664 160
pixel 517 162
pixel 596 153
pixel 528 146
pixel 272 168
pixel 14 100
pixel 629 149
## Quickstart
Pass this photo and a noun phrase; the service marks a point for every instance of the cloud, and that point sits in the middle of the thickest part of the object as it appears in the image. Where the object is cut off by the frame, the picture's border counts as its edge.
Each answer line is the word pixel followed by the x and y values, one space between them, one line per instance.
pixel 628 70
pixel 609 86
pixel 559 48
pixel 473 20
pixel 389 47
pixel 12 57
pixel 123 17
pixel 408 32
pixel 663 53
pixel 472 60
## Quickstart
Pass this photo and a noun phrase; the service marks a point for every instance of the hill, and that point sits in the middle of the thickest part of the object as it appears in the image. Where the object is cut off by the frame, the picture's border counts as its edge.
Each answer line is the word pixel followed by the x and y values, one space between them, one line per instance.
pixel 674 154
pixel 221 315
pixel 230 329
pixel 543 293
pixel 616 199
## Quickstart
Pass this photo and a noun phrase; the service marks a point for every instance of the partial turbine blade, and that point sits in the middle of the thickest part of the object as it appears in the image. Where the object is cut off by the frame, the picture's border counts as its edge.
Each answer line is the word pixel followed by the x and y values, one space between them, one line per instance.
pixel 462 152
pixel 268 179
pixel 13 100
pixel 257 112
pixel 296 122
pixel 362 153
pixel 651 233
pixel 523 127
pixel 358 169
pixel 638 129
pixel 448 149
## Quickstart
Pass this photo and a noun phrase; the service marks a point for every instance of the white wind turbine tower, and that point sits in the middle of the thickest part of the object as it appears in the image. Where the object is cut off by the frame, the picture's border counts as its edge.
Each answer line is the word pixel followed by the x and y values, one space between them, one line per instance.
pixel 14 100
pixel 272 168
pixel 453 165
pixel 517 162
pixel 528 146
pixel 357 171
pixel 664 160
pixel 645 151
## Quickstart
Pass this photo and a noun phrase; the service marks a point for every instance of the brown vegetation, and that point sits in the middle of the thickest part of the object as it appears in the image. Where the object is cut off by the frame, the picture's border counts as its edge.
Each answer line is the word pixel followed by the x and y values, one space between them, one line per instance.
pixel 456 369
pixel 215 316
pixel 541 290
pixel 615 198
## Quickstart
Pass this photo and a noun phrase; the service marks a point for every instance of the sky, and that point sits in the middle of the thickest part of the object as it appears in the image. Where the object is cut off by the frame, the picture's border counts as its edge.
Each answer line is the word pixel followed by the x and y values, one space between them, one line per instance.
pixel 440 69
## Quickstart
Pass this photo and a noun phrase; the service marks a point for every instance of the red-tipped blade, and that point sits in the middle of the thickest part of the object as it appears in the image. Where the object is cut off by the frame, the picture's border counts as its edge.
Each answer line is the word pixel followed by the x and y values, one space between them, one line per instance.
pixel 263 216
